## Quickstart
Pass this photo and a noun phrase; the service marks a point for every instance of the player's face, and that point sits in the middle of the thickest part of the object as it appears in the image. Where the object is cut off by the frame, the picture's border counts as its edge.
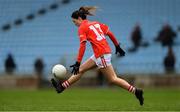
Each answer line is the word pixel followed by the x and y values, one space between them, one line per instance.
pixel 77 22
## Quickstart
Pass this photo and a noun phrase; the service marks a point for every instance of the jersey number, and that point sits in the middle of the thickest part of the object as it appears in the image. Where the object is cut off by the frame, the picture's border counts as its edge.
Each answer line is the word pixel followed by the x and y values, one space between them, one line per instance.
pixel 95 29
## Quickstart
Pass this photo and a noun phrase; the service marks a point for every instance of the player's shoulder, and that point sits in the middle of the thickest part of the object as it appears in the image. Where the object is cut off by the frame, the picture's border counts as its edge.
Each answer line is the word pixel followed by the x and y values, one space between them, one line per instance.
pixel 82 27
pixel 100 23
pixel 95 22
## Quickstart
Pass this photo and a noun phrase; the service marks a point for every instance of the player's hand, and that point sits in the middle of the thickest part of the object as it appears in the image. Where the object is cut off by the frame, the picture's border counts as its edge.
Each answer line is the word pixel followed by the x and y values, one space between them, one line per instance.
pixel 75 68
pixel 119 51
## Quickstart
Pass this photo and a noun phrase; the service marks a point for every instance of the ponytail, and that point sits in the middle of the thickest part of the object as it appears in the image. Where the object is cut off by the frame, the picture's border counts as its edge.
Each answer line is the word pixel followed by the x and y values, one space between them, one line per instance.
pixel 83 12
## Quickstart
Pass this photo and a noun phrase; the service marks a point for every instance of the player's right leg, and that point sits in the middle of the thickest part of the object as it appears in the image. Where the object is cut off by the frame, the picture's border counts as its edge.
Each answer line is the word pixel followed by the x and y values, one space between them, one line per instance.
pixel 112 77
pixel 60 86
pixel 139 95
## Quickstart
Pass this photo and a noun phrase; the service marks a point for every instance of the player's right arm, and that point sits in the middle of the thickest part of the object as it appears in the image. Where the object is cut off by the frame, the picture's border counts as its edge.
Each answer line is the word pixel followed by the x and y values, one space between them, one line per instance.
pixel 82 48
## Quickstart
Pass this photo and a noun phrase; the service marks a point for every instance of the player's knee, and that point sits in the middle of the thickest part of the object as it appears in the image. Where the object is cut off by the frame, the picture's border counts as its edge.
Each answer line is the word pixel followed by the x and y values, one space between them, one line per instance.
pixel 81 70
pixel 112 80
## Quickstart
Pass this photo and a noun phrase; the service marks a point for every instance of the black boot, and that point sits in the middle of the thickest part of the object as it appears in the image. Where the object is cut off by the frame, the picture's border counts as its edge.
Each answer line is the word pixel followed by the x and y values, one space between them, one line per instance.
pixel 57 85
pixel 139 96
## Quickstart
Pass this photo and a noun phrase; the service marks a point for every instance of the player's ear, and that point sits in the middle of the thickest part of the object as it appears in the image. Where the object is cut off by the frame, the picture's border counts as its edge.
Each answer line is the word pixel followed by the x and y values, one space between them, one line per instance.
pixel 79 18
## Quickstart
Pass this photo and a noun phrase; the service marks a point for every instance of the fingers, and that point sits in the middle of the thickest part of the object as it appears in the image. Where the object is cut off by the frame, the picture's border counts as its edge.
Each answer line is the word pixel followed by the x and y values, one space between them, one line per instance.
pixel 120 54
pixel 72 66
pixel 75 71
pixel 116 52
pixel 75 67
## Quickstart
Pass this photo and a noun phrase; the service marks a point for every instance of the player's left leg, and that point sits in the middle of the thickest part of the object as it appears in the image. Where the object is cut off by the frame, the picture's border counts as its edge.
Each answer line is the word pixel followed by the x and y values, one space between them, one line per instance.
pixel 112 77
pixel 57 85
pixel 60 86
pixel 87 65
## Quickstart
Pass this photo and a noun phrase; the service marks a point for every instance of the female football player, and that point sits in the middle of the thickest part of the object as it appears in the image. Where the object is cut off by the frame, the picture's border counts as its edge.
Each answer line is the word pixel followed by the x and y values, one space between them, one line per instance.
pixel 95 32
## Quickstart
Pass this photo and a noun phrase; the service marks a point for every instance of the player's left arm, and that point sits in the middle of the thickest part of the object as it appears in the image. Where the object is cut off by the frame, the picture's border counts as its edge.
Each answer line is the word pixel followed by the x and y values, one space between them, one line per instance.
pixel 107 32
pixel 116 43
pixel 112 37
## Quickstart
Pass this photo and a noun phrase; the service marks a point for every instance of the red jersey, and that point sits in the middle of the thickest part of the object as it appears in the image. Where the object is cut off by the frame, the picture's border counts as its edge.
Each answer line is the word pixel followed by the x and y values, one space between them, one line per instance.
pixel 94 32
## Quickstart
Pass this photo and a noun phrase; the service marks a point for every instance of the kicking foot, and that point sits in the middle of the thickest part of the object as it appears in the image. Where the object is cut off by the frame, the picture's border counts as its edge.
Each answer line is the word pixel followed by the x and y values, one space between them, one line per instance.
pixel 139 96
pixel 57 85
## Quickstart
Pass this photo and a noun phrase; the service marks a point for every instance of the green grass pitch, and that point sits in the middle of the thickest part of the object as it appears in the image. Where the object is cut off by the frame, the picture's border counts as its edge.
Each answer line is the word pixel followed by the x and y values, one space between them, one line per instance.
pixel 88 99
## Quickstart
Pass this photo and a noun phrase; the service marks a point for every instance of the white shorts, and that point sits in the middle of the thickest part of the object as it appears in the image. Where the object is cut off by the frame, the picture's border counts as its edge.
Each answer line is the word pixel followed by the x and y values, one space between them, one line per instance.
pixel 102 61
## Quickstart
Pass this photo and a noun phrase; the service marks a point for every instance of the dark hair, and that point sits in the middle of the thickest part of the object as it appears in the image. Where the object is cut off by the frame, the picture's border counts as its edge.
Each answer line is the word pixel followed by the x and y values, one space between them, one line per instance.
pixel 83 12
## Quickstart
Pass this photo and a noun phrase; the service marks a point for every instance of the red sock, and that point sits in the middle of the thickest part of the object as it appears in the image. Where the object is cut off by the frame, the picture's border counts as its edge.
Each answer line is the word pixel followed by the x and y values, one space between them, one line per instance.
pixel 131 89
pixel 65 84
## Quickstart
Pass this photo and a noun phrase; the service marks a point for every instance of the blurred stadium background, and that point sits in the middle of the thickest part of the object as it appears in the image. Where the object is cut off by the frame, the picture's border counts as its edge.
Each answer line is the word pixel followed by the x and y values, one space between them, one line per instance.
pixel 33 29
